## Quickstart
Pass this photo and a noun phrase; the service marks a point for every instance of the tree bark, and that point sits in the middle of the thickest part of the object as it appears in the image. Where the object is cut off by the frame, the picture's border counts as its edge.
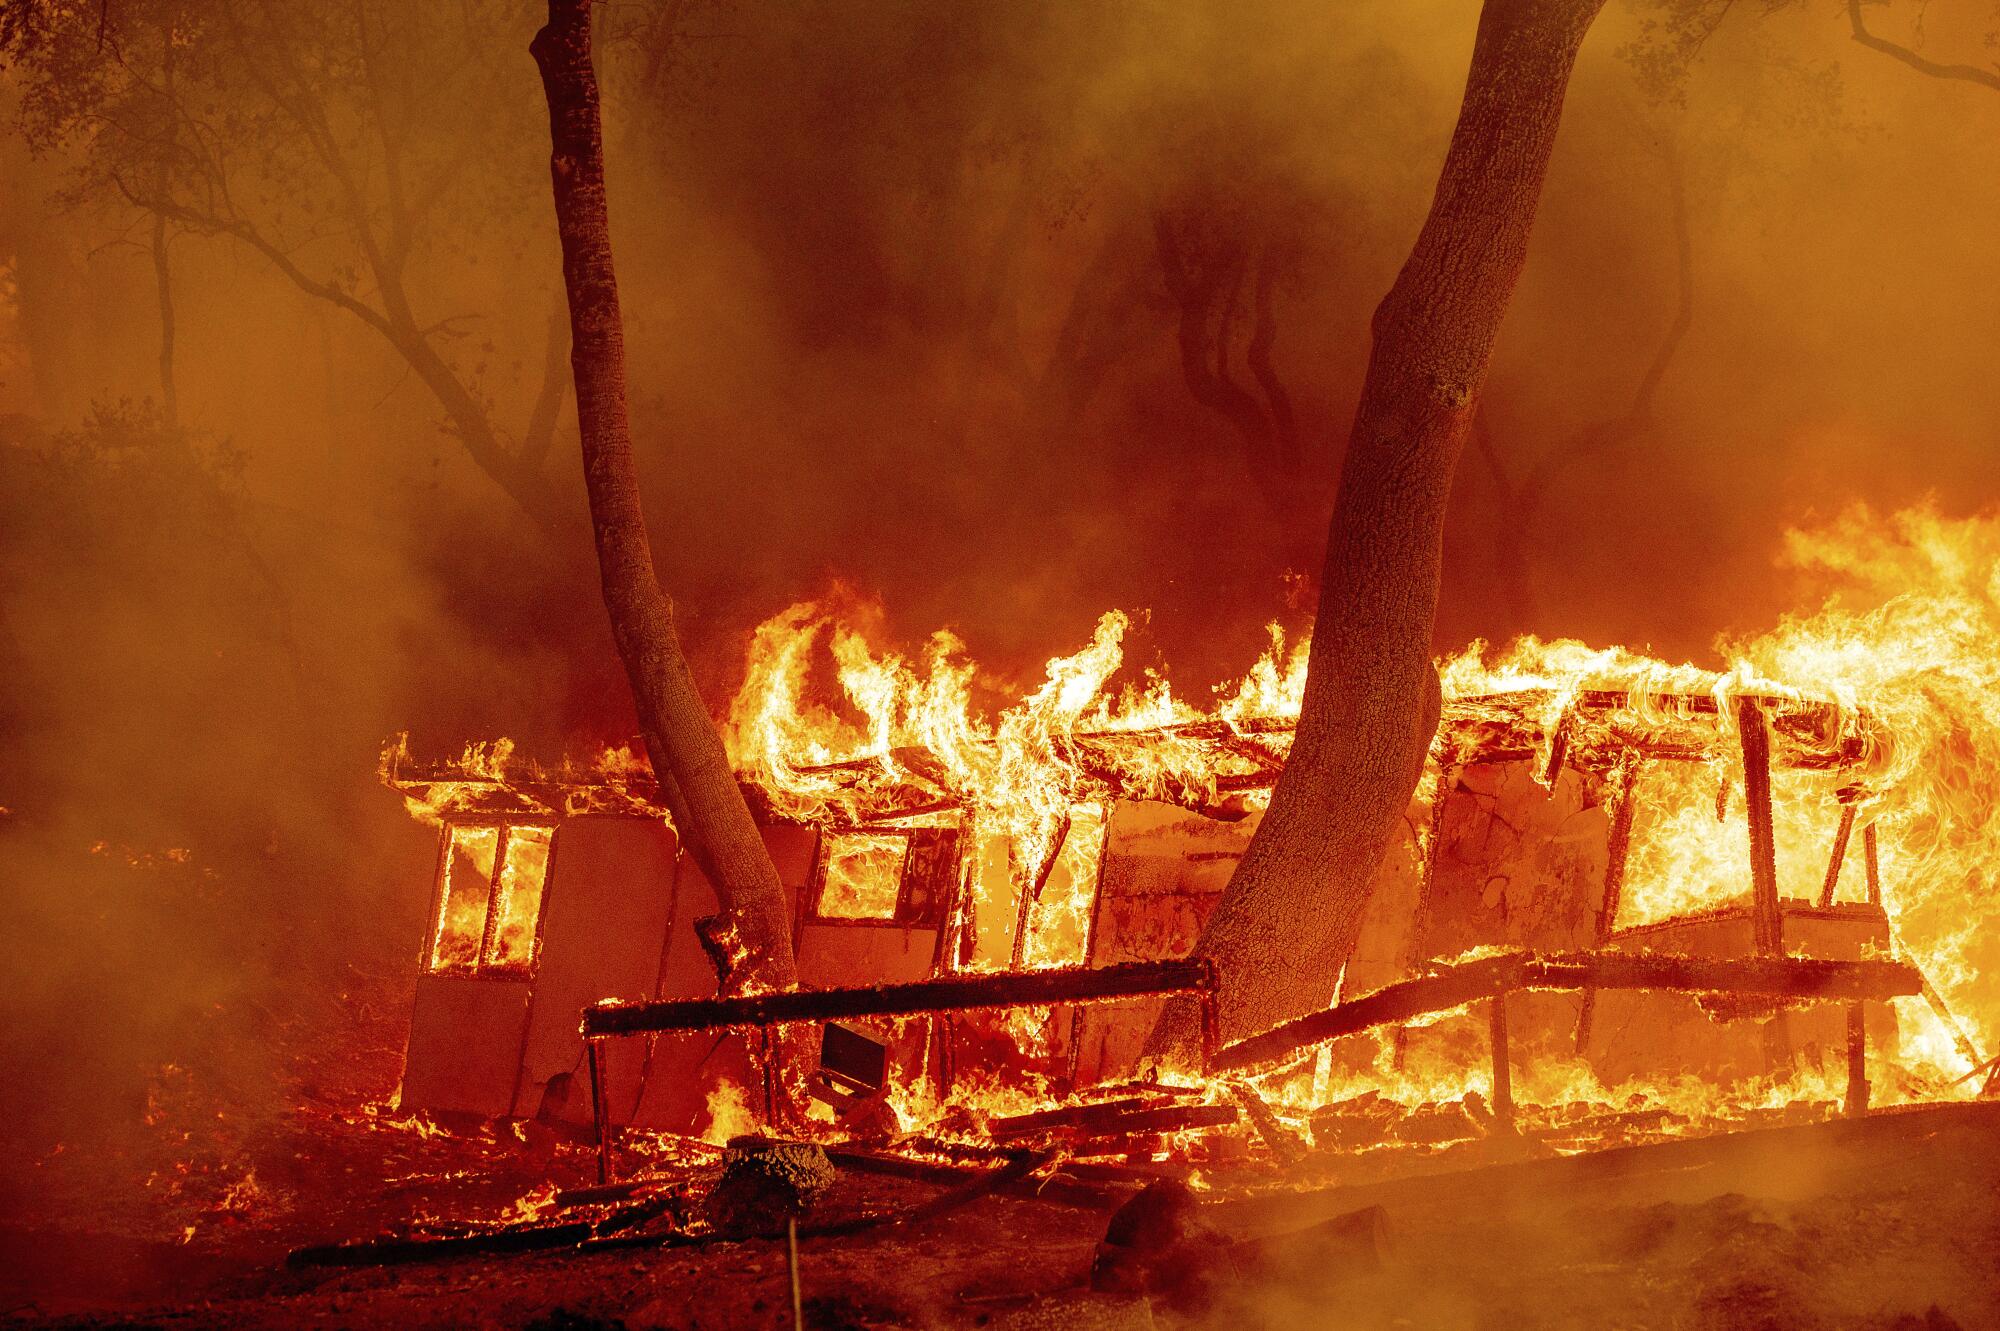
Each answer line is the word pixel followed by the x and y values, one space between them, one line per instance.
pixel 1290 915
pixel 754 931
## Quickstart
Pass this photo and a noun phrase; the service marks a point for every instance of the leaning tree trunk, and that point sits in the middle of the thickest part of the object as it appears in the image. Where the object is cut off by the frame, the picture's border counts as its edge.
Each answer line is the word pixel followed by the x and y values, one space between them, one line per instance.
pixel 752 936
pixel 1290 915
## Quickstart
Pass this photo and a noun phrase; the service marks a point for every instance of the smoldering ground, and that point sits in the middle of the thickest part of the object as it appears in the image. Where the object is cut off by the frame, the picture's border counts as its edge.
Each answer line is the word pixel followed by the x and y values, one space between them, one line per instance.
pixel 909 291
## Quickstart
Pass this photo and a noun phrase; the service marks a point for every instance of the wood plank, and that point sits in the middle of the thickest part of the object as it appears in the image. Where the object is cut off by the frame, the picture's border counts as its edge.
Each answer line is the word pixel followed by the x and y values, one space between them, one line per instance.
pixel 1072 984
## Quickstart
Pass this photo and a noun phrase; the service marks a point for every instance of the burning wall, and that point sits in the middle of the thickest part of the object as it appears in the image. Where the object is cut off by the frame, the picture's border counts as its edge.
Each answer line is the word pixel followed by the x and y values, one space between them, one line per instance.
pixel 1576 799
pixel 1496 853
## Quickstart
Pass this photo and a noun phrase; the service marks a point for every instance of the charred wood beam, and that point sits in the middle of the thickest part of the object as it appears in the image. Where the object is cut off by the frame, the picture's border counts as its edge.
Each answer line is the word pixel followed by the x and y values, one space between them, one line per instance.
pixel 600 1112
pixel 1838 858
pixel 402 1251
pixel 1756 740
pixel 974 1186
pixel 1139 979
pixel 1069 1116
pixel 1798 979
pixel 1558 749
pixel 1857 1062
pixel 1617 849
pixel 1483 728
pixel 1112 1119
pixel 910 781
pixel 1286 1145
pixel 1872 860
pixel 1939 1009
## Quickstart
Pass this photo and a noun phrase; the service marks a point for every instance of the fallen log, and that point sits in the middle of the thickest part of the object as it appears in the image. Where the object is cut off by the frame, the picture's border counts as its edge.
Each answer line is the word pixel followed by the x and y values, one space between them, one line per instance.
pixel 1798 979
pixel 1285 1144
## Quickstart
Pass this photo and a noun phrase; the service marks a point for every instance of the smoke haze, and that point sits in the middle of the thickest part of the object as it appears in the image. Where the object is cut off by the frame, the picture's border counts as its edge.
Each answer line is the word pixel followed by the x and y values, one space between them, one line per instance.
pixel 898 319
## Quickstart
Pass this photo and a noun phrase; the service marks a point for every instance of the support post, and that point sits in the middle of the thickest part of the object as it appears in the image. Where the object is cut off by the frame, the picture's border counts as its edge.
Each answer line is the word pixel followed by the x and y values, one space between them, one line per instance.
pixel 1857 1061
pixel 1413 950
pixel 792 1264
pixel 600 1110
pixel 1031 892
pixel 1617 849
pixel 1871 859
pixel 491 933
pixel 1756 741
pixel 1211 1029
pixel 767 1057
pixel 1503 1073
pixel 1558 749
pixel 1839 857
pixel 1767 915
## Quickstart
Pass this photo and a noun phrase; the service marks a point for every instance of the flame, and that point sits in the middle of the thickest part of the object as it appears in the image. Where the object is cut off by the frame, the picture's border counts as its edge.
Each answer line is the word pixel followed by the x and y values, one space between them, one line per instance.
pixel 488 777
pixel 863 875
pixel 1878 704
pixel 729 1114
pixel 1879 699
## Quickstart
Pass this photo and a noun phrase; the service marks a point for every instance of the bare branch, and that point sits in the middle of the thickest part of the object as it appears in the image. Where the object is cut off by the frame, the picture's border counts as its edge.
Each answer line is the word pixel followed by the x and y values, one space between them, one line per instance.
pixel 249 235
pixel 1987 78
pixel 541 433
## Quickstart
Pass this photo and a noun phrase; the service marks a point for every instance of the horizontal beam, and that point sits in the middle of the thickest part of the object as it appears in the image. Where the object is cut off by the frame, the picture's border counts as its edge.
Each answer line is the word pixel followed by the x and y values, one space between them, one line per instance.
pixel 1142 979
pixel 1453 986
pixel 1110 1119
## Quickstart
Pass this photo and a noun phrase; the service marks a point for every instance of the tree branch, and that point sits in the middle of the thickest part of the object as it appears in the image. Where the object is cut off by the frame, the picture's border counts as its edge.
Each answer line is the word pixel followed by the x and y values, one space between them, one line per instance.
pixel 1986 78
pixel 249 235
pixel 1198 288
pixel 541 434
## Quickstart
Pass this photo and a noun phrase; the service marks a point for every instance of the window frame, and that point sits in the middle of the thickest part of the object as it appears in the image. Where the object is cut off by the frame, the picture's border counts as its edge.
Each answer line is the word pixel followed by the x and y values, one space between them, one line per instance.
pixel 943 898
pixel 481 968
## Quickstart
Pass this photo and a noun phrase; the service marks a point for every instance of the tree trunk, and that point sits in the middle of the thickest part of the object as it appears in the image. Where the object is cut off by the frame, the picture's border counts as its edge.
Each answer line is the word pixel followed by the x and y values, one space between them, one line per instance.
pixel 163 284
pixel 753 932
pixel 1289 918
pixel 516 474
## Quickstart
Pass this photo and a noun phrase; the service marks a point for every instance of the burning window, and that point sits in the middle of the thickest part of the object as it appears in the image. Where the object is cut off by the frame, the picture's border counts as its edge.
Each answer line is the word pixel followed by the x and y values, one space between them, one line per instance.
pixel 490 902
pixel 899 875
pixel 1037 915
pixel 862 875
pixel 1059 914
pixel 1690 841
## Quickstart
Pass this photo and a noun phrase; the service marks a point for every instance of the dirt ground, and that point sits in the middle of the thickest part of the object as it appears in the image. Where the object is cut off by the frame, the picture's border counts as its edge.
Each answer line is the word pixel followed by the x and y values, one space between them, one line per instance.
pixel 1891 1222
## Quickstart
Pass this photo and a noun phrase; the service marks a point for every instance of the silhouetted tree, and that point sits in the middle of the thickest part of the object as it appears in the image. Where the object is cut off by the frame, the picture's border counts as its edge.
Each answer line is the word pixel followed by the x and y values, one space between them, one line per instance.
pixel 1290 915
pixel 341 143
pixel 1523 491
pixel 1986 76
pixel 752 936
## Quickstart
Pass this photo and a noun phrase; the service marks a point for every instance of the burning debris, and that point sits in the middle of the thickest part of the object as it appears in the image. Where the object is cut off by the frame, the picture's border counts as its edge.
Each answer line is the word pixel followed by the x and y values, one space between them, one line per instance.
pixel 893 936
pixel 1634 904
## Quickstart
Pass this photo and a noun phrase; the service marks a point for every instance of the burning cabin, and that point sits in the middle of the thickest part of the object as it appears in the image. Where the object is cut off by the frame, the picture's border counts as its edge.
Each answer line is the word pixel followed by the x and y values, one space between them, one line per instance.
pixel 1593 821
